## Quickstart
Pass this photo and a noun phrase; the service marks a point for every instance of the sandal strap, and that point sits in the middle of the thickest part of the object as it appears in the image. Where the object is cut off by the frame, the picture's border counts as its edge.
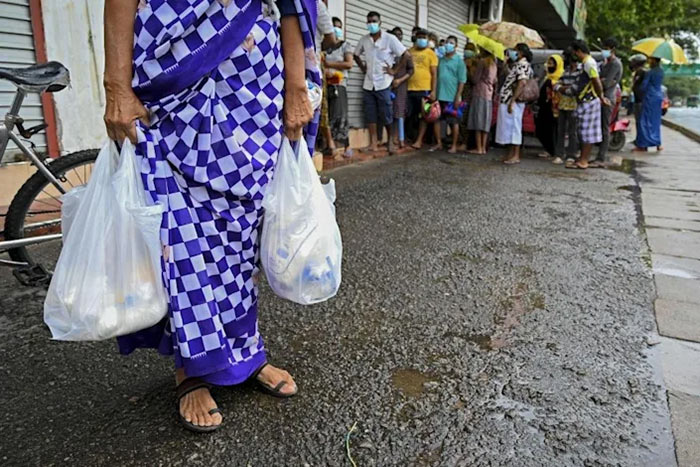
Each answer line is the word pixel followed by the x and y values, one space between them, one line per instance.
pixel 216 410
pixel 279 386
pixel 188 385
pixel 257 372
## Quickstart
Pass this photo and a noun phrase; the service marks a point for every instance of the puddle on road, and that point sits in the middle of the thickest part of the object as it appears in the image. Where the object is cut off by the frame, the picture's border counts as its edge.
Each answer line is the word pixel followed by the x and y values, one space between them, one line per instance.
pixel 410 381
pixel 627 166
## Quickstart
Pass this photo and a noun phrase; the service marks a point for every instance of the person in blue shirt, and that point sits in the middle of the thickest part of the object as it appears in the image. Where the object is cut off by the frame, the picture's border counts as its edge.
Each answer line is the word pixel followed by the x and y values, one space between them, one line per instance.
pixel 452 75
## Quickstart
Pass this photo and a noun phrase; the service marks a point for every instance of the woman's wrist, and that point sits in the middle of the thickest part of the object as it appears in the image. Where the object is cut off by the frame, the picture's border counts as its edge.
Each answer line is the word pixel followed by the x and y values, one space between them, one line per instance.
pixel 112 84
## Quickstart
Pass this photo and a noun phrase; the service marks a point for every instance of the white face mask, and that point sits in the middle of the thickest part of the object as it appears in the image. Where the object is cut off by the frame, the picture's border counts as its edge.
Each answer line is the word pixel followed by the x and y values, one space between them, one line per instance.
pixel 431 44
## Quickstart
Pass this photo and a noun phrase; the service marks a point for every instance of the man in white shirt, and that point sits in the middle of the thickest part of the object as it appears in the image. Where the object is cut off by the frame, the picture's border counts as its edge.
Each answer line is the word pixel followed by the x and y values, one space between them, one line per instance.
pixel 378 55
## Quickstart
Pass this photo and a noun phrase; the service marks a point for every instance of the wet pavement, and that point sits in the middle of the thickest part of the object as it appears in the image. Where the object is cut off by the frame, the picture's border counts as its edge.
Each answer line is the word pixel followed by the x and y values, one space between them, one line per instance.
pixel 489 316
pixel 670 202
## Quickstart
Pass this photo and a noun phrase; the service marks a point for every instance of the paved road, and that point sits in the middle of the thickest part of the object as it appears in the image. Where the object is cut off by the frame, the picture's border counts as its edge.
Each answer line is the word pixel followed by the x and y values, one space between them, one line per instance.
pixel 688 117
pixel 488 316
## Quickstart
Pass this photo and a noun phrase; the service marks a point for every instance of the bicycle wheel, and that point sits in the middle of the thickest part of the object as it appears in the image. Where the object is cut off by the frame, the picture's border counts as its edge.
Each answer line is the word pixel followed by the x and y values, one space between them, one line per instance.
pixel 36 208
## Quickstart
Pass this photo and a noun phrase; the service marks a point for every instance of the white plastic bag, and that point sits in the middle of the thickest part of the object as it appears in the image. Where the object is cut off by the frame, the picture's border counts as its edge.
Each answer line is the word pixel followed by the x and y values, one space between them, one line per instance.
pixel 107 280
pixel 301 249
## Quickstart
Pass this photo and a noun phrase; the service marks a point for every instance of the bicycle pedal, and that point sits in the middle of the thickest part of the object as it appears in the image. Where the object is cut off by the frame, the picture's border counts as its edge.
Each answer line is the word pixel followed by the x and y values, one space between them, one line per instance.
pixel 32 276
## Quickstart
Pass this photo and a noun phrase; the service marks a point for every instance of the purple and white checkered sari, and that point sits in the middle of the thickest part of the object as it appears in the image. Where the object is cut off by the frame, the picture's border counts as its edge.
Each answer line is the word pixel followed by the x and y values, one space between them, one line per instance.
pixel 211 74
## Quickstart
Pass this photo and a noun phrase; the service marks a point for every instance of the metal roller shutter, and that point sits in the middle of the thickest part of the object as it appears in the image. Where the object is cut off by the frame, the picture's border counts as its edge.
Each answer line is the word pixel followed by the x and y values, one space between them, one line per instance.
pixel 444 16
pixel 400 13
pixel 17 51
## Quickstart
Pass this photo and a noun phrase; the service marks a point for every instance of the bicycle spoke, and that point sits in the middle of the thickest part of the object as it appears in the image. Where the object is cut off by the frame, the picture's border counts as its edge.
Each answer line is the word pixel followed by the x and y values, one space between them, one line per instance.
pixel 37 200
pixel 78 175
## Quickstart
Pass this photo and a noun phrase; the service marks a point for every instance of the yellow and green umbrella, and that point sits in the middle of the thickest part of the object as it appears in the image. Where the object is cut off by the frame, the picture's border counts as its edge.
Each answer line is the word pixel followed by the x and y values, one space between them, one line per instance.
pixel 664 49
pixel 492 46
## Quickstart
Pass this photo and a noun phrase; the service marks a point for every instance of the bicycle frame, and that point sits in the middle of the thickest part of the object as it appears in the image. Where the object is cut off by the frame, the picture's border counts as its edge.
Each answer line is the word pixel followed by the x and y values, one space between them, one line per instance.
pixel 7 134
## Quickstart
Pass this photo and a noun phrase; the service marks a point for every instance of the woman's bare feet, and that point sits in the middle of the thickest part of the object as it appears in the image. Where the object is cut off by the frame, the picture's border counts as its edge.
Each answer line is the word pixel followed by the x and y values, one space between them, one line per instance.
pixel 659 148
pixel 638 149
pixel 195 405
pixel 271 377
pixel 452 150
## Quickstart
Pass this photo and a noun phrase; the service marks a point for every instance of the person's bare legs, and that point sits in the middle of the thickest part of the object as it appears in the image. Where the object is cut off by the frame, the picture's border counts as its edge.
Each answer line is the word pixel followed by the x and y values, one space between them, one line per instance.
pixel 373 143
pixel 513 154
pixel 455 138
pixel 422 128
pixel 436 134
pixel 390 139
pixel 195 405
pixel 484 136
pixel 585 154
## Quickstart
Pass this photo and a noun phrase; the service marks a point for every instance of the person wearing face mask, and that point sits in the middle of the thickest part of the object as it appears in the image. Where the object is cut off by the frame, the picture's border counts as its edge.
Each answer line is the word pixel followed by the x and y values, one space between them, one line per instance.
pixel 610 76
pixel 649 130
pixel 546 120
pixel 566 91
pixel 325 38
pixel 481 106
pixel 433 41
pixel 338 60
pixel 509 128
pixel 379 55
pixel 440 51
pixel 590 100
pixel 400 89
pixel 452 75
pixel 421 85
pixel 471 59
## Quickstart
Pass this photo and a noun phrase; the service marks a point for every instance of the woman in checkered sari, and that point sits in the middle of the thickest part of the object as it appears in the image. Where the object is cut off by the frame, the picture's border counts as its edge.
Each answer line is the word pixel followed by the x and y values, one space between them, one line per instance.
pixel 198 85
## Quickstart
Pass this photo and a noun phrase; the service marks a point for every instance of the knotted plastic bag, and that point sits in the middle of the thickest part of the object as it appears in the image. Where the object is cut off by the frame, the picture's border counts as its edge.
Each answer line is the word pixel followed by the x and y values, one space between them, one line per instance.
pixel 107 280
pixel 301 248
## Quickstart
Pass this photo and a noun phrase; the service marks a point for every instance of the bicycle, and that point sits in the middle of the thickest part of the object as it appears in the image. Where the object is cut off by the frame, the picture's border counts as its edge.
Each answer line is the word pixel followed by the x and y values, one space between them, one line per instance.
pixel 32 230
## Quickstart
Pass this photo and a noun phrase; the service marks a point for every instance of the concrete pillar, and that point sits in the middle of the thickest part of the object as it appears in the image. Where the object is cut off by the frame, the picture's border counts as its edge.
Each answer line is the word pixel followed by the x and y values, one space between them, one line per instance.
pixel 422 13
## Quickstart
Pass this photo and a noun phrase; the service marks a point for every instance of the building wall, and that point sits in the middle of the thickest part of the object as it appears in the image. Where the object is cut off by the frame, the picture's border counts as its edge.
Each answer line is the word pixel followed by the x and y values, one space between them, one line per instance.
pixel 17 51
pixel 74 37
pixel 445 16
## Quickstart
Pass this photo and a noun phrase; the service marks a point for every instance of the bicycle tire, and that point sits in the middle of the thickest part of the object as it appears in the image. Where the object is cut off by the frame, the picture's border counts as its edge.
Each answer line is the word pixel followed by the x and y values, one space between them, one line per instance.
pixel 16 213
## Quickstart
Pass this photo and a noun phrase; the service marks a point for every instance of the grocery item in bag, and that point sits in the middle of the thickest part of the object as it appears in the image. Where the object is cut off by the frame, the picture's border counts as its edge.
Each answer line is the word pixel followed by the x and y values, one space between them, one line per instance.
pixel 107 280
pixel 301 248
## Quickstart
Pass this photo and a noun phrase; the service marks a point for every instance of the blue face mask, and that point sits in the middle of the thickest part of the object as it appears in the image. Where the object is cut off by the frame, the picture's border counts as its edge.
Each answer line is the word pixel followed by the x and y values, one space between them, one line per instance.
pixel 373 28
pixel 449 47
pixel 338 33
pixel 606 54
pixel 421 42
pixel 513 55
pixel 441 50
pixel 469 54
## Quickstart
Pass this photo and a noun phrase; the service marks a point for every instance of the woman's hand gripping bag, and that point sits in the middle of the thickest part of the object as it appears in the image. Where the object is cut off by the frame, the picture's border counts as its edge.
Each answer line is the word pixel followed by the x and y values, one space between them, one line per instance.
pixel 301 249
pixel 107 281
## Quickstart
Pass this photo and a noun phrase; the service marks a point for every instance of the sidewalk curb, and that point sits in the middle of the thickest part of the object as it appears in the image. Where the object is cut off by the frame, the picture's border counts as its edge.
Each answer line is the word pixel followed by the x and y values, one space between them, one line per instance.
pixel 680 128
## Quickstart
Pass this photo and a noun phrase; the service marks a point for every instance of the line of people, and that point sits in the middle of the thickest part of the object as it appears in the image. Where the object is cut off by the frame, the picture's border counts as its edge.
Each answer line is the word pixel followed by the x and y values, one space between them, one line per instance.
pixel 429 93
